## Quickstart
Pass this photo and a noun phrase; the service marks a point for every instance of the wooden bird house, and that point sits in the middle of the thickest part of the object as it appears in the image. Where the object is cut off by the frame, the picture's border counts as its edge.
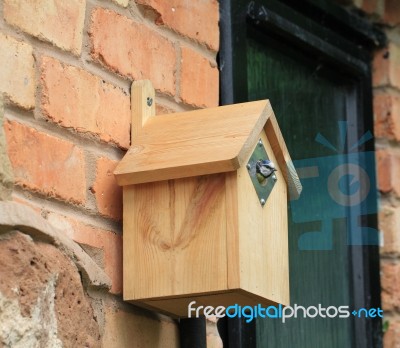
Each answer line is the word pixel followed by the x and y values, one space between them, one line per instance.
pixel 200 222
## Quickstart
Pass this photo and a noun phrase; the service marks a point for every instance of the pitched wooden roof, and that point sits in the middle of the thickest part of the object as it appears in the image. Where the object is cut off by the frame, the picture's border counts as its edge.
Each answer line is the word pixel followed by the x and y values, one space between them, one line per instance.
pixel 203 142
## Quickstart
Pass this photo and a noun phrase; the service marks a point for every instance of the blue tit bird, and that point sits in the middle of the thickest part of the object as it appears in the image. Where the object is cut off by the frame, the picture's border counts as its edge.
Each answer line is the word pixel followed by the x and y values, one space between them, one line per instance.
pixel 264 169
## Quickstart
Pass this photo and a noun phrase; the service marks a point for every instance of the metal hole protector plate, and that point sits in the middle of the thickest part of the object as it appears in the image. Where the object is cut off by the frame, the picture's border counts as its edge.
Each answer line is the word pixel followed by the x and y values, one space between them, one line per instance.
pixel 263 185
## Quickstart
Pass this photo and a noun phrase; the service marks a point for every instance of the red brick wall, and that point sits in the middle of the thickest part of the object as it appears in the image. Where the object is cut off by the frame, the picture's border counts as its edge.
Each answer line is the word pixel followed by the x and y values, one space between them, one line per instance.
pixel 386 83
pixel 65 74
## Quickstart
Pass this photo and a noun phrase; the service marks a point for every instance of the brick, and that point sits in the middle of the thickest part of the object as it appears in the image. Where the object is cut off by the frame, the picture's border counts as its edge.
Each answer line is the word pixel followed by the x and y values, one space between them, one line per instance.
pixel 388 167
pixel 74 98
pixel 46 164
pixel 199 80
pixel 133 50
pixel 390 284
pixel 392 12
pixel 109 242
pixel 197 20
pixel 387 116
pixel 56 21
pixel 386 67
pixel 51 307
pixel 384 171
pixel 6 172
pixel 106 191
pixel 163 110
pixel 370 6
pixel 17 72
pixel 391 338
pixel 389 223
pixel 125 328
pixel 15 216
pixel 380 67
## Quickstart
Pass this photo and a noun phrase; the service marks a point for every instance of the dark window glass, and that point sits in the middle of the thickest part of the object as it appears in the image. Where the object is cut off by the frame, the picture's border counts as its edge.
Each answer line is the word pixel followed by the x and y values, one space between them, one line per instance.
pixel 318 81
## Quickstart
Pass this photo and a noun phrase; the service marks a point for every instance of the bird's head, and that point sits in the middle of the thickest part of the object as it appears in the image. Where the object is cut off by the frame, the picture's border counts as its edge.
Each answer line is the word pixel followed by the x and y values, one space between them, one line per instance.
pixel 264 169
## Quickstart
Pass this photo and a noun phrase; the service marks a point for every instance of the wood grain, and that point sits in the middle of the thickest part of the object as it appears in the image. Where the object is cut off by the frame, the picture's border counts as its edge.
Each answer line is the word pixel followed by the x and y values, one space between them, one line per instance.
pixel 263 236
pixel 232 230
pixel 190 237
pixel 193 143
pixel 198 142
pixel 193 225
pixel 279 148
pixel 175 237
pixel 141 92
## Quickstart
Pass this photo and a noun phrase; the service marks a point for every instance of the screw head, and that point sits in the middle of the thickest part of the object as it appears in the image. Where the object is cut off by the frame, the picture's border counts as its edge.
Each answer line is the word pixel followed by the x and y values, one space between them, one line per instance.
pixel 248 166
pixel 262 201
pixel 260 143
pixel 274 177
pixel 149 101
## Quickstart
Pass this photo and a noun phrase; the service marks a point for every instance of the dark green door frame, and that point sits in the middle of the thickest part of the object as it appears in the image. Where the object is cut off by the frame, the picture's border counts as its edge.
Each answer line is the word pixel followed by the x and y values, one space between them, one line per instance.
pixel 334 37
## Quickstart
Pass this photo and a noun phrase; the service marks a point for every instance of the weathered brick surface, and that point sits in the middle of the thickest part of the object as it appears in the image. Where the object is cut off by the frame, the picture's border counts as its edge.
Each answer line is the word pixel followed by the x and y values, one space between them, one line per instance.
pixel 74 98
pixel 195 19
pixel 6 172
pixel 390 283
pixel 199 80
pixel 57 21
pixel 46 164
pixel 388 167
pixel 391 338
pixel 372 6
pixel 141 53
pixel 386 66
pixel 163 110
pixel 42 300
pixel 80 105
pixel 107 241
pixel 392 12
pixel 136 329
pixel 110 243
pixel 380 67
pixel 108 194
pixel 387 116
pixel 389 224
pixel 17 71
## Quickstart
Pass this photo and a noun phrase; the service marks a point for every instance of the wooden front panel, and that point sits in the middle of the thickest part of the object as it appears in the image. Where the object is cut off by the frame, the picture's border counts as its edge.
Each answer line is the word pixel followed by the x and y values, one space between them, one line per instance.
pixel 263 236
pixel 175 237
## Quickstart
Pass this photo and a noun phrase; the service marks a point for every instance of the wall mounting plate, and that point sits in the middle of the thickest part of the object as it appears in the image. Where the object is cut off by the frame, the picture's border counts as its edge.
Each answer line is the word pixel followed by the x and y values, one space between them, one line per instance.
pixel 263 186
